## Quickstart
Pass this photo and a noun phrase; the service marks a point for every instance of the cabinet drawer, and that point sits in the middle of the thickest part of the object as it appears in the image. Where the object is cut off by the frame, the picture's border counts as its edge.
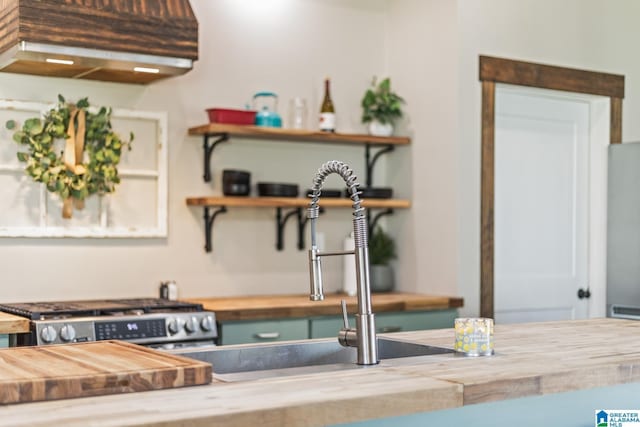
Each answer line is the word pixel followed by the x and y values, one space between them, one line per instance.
pixel 263 331
pixel 327 327
pixel 415 320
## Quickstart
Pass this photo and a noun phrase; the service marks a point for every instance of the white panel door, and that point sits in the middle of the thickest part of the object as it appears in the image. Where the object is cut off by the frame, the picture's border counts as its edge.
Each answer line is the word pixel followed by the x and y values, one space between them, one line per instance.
pixel 541 207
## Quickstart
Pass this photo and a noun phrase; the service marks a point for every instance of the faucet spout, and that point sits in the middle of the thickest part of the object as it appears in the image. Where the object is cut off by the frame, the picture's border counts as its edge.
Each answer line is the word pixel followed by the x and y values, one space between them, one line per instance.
pixel 315 270
pixel 365 332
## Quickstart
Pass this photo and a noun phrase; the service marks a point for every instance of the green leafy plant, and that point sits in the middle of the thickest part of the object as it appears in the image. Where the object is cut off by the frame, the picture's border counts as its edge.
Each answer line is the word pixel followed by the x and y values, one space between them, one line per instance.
pixel 94 172
pixel 382 247
pixel 380 103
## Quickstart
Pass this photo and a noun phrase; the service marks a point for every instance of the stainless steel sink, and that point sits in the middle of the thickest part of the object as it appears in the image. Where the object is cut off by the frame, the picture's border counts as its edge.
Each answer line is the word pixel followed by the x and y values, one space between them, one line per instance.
pixel 253 361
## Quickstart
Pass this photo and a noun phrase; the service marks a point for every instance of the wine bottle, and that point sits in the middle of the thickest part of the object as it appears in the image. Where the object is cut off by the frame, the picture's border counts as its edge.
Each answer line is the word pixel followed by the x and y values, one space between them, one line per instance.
pixel 327 112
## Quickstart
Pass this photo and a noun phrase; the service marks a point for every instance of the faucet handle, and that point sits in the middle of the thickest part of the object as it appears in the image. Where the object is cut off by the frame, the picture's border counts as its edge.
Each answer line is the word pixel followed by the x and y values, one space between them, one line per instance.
pixel 345 318
pixel 347 336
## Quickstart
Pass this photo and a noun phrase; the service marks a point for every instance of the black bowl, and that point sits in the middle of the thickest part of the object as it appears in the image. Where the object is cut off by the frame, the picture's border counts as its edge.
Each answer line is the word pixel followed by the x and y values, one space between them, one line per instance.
pixel 326 193
pixel 236 182
pixel 276 189
pixel 373 193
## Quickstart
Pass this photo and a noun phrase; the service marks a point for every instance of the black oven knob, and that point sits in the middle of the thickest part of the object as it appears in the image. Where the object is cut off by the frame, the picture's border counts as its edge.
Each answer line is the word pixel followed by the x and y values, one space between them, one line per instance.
pixel 207 323
pixel 67 333
pixel 175 325
pixel 48 334
pixel 191 325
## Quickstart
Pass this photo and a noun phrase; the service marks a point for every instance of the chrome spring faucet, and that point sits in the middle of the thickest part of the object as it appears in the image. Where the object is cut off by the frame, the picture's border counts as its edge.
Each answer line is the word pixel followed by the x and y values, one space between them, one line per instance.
pixel 364 335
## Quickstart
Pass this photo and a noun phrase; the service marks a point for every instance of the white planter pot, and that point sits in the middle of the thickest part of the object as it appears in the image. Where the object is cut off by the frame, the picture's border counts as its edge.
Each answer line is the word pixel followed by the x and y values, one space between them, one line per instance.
pixel 379 129
pixel 382 278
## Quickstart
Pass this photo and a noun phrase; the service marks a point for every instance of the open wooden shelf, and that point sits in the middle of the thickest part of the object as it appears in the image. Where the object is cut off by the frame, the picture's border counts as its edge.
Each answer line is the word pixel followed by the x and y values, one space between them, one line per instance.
pixel 299 202
pixel 216 133
pixel 299 135
pixel 214 206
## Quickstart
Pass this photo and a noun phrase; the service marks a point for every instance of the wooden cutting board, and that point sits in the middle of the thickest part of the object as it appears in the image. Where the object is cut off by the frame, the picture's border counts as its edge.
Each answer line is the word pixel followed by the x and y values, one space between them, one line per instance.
pixel 29 374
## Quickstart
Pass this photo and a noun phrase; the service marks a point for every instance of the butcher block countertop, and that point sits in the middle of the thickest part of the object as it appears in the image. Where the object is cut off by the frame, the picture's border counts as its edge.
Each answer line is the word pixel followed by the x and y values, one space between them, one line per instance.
pixel 29 374
pixel 530 360
pixel 10 324
pixel 285 306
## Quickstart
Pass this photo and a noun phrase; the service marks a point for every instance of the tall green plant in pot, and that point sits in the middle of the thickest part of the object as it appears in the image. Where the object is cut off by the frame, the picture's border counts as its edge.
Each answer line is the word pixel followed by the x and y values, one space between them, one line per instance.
pixel 382 249
pixel 381 107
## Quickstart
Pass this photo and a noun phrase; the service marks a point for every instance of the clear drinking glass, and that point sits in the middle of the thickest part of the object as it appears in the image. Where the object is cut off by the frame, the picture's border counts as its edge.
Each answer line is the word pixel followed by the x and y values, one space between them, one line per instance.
pixel 298 113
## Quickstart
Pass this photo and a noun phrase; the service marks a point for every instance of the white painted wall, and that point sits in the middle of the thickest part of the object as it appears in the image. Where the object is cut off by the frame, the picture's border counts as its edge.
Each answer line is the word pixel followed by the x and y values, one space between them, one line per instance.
pixel 422 59
pixel 429 47
pixel 286 46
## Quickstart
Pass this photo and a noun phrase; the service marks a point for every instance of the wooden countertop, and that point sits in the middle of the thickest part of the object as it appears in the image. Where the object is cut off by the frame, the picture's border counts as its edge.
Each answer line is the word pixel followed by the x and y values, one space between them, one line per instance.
pixel 285 306
pixel 531 360
pixel 29 374
pixel 10 324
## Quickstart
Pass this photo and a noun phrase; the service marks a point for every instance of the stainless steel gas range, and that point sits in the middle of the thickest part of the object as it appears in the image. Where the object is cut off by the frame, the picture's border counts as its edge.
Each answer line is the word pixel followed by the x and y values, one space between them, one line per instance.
pixel 152 322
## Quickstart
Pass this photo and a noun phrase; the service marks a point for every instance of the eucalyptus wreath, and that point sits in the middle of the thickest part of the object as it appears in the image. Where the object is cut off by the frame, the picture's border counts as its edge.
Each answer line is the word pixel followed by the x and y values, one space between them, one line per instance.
pixel 95 151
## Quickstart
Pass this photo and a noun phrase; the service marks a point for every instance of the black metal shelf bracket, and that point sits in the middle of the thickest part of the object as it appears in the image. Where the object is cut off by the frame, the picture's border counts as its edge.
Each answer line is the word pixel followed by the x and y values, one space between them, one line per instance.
pixel 208 225
pixel 208 149
pixel 372 162
pixel 372 220
pixel 281 220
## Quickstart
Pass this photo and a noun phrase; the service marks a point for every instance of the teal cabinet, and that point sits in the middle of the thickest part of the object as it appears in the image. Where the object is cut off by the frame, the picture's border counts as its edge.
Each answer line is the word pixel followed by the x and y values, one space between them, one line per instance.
pixel 414 320
pixel 570 409
pixel 243 332
pixel 328 326
pixel 4 341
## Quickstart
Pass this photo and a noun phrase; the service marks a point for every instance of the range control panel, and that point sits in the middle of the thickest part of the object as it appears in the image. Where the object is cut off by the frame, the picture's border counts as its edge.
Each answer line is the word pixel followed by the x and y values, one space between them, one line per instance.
pixel 139 329
pixel 130 329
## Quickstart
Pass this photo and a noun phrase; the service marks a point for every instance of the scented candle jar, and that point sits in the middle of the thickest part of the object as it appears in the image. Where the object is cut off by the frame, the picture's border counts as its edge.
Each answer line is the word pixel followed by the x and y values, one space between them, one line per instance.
pixel 474 336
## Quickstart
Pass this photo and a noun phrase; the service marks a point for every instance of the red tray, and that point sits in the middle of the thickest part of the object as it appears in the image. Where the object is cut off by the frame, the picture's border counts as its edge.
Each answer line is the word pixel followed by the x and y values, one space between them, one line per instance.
pixel 229 116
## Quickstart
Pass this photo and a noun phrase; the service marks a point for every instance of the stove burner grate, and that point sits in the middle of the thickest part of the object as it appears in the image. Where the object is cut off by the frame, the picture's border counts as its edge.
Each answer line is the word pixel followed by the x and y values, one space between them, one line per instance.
pixel 95 308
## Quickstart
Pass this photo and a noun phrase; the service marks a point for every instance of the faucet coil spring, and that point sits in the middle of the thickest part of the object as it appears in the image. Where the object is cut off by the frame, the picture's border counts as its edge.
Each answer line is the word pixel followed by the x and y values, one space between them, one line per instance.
pixel 342 169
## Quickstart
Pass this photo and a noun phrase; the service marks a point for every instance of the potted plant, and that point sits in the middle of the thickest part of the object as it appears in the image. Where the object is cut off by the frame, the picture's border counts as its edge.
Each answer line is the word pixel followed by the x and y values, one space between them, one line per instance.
pixel 382 249
pixel 381 107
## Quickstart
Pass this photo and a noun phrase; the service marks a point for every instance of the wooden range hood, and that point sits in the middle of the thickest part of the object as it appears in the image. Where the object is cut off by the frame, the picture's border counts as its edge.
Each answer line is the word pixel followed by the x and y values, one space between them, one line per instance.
pixel 128 41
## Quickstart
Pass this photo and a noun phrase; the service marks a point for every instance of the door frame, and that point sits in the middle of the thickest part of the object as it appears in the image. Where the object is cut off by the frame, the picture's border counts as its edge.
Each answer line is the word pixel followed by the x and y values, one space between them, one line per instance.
pixel 499 70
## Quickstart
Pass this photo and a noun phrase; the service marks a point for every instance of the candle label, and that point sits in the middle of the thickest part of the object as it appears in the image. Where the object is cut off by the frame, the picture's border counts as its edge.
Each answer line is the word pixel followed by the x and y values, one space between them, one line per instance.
pixel 474 336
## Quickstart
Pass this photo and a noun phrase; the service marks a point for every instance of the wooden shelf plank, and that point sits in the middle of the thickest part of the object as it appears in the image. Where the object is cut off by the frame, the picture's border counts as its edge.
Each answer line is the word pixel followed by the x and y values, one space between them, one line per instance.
pixel 270 202
pixel 300 135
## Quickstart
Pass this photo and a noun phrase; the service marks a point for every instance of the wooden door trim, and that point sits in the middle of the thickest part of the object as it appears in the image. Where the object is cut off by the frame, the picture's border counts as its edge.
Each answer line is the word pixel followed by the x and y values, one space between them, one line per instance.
pixel 500 70
pixel 551 77
pixel 487 200
pixel 615 126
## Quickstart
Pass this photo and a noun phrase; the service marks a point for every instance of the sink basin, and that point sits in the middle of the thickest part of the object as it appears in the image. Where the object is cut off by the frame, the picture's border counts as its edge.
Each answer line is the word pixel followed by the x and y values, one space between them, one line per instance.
pixel 253 361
